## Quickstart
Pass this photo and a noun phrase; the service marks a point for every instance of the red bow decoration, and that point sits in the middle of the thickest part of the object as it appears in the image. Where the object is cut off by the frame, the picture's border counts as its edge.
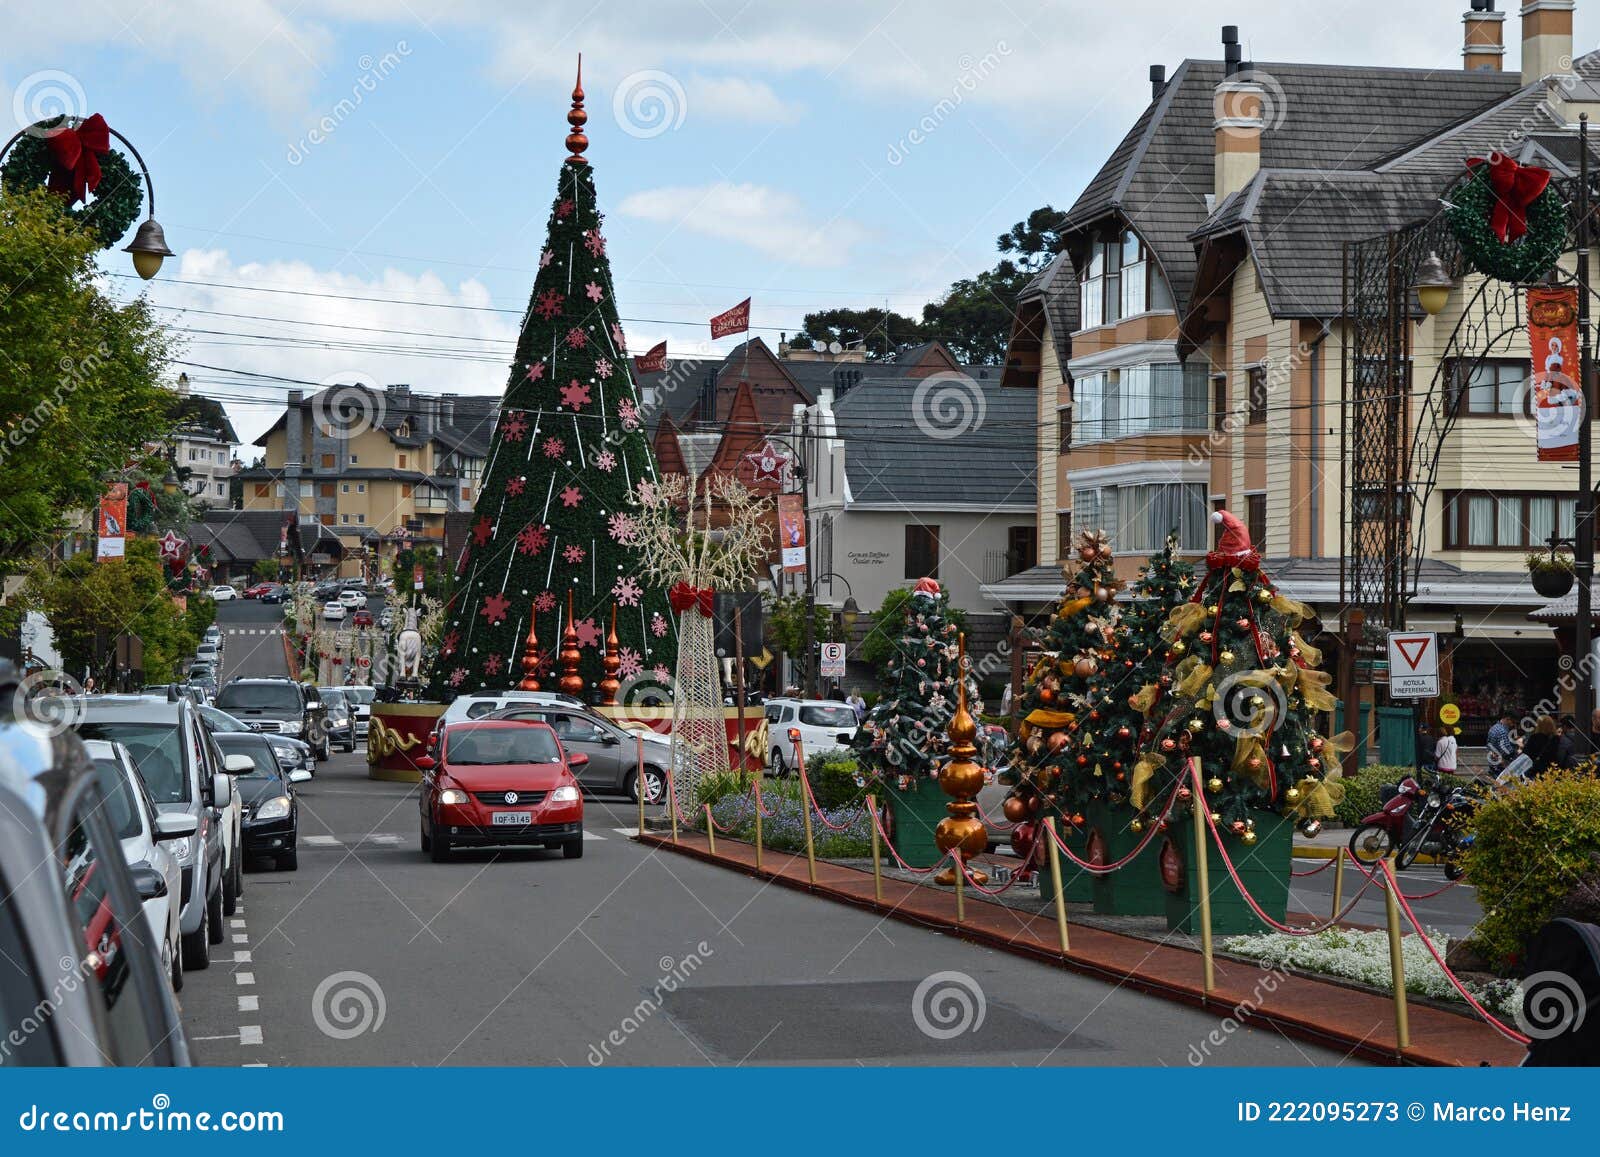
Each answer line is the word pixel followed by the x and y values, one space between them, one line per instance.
pixel 685 596
pixel 77 154
pixel 1515 187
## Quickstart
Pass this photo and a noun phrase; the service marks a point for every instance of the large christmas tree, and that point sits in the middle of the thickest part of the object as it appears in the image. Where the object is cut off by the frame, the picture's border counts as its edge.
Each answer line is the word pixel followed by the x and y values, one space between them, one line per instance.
pixel 1239 693
pixel 553 513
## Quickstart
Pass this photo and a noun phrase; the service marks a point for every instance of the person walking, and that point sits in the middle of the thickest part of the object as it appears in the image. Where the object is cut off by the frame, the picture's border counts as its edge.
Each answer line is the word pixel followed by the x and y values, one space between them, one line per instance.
pixel 1567 742
pixel 1501 744
pixel 1444 751
pixel 858 705
pixel 1543 747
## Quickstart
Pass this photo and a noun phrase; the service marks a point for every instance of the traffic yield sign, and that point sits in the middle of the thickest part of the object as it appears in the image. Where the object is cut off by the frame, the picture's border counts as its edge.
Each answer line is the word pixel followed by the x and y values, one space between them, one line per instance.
pixel 1413 664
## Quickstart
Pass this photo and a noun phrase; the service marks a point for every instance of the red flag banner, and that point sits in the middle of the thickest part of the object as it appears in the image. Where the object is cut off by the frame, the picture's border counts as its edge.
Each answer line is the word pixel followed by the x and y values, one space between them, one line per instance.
pixel 112 522
pixel 792 531
pixel 735 320
pixel 1557 400
pixel 653 360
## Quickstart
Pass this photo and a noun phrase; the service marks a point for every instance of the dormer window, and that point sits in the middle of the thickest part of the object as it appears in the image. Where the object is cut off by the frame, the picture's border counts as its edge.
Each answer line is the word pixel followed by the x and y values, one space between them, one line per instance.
pixel 405 428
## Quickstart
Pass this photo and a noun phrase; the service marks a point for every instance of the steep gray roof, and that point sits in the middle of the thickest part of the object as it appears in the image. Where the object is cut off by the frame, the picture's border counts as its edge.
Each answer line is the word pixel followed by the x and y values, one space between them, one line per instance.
pixel 893 453
pixel 1057 285
pixel 1321 117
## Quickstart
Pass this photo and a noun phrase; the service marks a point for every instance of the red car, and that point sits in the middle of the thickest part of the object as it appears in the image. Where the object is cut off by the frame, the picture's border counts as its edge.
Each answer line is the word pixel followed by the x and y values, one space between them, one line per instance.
pixel 362 618
pixel 502 781
pixel 258 590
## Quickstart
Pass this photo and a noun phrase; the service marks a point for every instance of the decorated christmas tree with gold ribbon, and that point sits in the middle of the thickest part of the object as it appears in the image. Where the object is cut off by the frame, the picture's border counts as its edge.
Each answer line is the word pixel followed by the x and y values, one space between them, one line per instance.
pixel 1240 692
pixel 1067 699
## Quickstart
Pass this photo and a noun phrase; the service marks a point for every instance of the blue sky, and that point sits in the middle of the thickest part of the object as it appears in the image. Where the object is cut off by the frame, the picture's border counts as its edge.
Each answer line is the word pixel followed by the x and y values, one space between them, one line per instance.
pixel 783 167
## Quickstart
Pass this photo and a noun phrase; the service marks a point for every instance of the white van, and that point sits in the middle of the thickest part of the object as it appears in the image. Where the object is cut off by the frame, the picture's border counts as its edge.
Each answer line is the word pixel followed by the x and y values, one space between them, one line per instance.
pixel 822 724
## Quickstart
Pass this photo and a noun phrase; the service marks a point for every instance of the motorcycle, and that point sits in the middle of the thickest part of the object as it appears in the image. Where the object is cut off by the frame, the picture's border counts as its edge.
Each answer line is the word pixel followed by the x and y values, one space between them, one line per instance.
pixel 1416 818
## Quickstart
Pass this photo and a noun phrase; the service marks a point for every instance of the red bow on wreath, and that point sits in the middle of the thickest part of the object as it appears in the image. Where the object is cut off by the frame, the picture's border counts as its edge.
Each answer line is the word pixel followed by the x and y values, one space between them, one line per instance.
pixel 684 596
pixel 1515 187
pixel 77 154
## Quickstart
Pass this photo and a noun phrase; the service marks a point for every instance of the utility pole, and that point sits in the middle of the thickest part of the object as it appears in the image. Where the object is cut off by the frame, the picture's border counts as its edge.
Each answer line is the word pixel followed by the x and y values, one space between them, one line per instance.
pixel 1584 560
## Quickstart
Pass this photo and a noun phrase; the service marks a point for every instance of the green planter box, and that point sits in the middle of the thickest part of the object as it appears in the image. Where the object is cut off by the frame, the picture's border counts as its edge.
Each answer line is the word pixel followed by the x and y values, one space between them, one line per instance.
pixel 1264 868
pixel 1133 890
pixel 916 814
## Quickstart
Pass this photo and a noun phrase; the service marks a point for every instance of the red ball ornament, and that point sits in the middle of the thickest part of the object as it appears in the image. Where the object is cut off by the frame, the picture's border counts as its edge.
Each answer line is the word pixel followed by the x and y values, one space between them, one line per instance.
pixel 1168 744
pixel 1083 761
pixel 1314 761
pixel 1224 724
pixel 1123 733
pixel 1255 762
pixel 1206 636
pixel 1242 624
pixel 1077 819
pixel 1237 825
pixel 1046 695
pixel 1022 840
pixel 1014 809
pixel 1184 794
pixel 1316 744
pixel 1057 740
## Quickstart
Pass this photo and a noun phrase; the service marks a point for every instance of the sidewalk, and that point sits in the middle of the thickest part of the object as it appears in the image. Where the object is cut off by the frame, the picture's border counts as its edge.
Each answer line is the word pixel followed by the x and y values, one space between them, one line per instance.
pixel 1327 1014
pixel 1326 844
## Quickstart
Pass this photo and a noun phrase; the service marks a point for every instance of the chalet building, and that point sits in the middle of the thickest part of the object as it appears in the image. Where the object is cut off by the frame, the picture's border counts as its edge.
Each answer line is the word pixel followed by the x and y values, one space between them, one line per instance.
pixel 1185 349
pixel 202 447
pixel 385 488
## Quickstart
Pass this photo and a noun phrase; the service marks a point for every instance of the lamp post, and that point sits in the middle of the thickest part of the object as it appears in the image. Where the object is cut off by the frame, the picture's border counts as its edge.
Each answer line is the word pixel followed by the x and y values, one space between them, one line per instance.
pixel 847 614
pixel 149 245
pixel 1583 552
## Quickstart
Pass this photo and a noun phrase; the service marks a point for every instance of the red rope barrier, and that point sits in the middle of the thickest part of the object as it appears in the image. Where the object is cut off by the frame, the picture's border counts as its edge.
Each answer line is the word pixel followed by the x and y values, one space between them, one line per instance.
pixel 1326 864
pixel 984 816
pixel 1016 878
pixel 1106 869
pixel 888 843
pixel 805 783
pixel 1508 1033
pixel 1424 896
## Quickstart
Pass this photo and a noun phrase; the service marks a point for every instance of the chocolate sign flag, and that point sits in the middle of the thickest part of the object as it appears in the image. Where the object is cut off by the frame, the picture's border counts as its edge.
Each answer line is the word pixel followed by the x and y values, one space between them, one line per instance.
pixel 1557 400
pixel 112 522
pixel 735 320
pixel 654 359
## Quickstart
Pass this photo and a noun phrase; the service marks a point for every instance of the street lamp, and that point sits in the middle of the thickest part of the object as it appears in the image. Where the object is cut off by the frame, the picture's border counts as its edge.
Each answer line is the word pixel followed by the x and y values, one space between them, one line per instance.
pixel 1433 284
pixel 149 244
pixel 847 614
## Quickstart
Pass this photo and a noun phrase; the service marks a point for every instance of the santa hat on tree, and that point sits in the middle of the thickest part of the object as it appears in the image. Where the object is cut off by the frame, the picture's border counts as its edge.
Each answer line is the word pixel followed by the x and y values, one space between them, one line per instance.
pixel 1234 546
pixel 926 586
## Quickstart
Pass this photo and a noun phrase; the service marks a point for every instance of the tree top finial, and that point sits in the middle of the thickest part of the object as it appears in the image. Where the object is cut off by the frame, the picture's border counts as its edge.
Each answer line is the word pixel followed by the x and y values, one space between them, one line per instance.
pixel 577 118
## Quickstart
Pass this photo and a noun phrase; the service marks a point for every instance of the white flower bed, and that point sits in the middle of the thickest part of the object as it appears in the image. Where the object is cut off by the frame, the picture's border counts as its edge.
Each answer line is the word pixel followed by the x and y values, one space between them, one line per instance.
pixel 1364 957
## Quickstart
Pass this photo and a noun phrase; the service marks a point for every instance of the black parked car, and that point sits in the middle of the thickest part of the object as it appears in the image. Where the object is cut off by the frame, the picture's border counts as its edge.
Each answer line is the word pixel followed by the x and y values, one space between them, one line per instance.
pixel 271 815
pixel 279 705
pixel 74 939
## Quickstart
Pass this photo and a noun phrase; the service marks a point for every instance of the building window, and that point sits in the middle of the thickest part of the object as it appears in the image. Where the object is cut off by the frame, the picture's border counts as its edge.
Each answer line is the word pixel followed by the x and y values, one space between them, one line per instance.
pixel 922 552
pixel 344 518
pixel 362 519
pixel 1134 265
pixel 1088 405
pixel 1064 430
pixel 1255 519
pixel 262 490
pixel 277 490
pixel 221 489
pixel 1140 399
pixel 1022 548
pixel 405 490
pixel 361 487
pixel 327 461
pixel 325 519
pixel 1063 534
pixel 194 455
pixel 354 459
pixel 1258 395
pixel 402 459
pixel 1490 388
pixel 326 490
pixel 1480 520
pixel 344 488
pixel 1219 402
pixel 1091 291
pixel 307 489
pixel 1139 517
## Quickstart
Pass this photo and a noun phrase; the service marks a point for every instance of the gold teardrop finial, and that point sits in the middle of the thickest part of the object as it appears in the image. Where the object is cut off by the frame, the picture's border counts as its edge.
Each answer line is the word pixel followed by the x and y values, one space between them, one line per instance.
pixel 577 118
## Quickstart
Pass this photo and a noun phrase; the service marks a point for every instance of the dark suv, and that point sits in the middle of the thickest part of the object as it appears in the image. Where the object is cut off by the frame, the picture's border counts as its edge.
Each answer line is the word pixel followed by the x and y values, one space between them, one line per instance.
pixel 279 706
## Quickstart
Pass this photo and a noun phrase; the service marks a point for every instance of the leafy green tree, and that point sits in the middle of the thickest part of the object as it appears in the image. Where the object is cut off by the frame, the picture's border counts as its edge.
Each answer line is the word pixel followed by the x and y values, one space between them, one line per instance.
pixel 80 374
pixel 881 333
pixel 785 617
pixel 1035 241
pixel 435 578
pixel 89 603
pixel 974 318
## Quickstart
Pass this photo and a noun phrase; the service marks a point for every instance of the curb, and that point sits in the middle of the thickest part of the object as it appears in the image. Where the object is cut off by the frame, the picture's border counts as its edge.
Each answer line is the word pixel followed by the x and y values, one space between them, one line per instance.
pixel 1316 853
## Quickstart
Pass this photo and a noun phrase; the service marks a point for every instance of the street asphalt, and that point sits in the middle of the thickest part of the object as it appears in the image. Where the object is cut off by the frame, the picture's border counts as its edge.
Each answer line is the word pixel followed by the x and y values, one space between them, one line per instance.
pixel 370 954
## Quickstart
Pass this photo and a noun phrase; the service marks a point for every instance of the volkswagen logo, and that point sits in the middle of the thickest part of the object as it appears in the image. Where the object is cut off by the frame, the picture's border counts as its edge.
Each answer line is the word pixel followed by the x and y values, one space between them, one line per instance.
pixel 512 797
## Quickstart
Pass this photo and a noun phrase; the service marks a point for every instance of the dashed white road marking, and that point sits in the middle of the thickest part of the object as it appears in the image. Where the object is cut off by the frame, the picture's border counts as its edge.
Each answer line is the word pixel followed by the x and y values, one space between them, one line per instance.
pixel 249 1004
pixel 321 841
pixel 384 838
pixel 236 922
pixel 629 832
pixel 241 958
pixel 240 938
pixel 249 1034
pixel 254 1065
pixel 588 835
pixel 242 978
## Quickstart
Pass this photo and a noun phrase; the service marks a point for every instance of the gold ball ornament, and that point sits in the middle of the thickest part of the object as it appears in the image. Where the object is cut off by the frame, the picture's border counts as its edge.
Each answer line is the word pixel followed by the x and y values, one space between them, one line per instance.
pixel 1101 594
pixel 1227 657
pixel 1179 647
pixel 1136 826
pixel 1263 595
pixel 1214 783
pixel 1292 794
pixel 1248 838
pixel 1212 609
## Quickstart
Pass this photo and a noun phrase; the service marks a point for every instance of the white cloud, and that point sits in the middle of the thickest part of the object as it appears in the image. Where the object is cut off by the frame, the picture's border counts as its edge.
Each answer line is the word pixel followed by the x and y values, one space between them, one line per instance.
pixel 736 98
pixel 438 350
pixel 765 219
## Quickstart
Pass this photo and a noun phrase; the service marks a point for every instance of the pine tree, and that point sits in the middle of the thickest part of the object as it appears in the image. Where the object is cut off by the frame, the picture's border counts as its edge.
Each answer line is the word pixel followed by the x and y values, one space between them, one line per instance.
pixel 1239 693
pixel 1068 692
pixel 903 736
pixel 552 515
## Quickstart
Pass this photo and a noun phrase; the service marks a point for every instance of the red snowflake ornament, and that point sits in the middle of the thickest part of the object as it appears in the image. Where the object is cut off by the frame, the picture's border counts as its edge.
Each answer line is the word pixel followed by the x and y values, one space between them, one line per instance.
pixel 544 602
pixel 594 243
pixel 516 428
pixel 494 608
pixel 549 303
pixel 588 632
pixel 563 207
pixel 554 447
pixel 594 292
pixel 576 337
pixel 515 486
pixel 536 372
pixel 492 665
pixel 571 496
pixel 575 394
pixel 482 531
pixel 532 539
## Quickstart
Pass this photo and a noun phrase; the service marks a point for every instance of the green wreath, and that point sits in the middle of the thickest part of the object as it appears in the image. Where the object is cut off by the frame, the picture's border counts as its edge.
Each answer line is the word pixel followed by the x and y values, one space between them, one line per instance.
pixel 1523 261
pixel 117 199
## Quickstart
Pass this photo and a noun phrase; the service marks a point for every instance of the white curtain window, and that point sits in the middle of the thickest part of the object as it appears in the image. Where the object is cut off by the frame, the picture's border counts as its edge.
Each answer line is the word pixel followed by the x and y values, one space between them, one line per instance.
pixel 1088 407
pixel 1541 519
pixel 1086 509
pixel 1480 520
pixel 1140 517
pixel 1091 297
pixel 1509 522
pixel 1134 400
pixel 1133 275
pixel 1567 517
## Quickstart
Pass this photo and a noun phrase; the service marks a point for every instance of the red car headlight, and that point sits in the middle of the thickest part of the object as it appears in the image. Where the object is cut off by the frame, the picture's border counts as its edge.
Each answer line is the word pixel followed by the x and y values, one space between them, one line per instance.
pixel 566 793
pixel 453 796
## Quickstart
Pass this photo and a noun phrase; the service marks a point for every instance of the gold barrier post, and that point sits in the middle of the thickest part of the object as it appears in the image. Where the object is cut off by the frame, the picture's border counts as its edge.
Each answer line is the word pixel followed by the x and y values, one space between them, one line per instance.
pixel 638 781
pixel 1338 882
pixel 961 892
pixel 805 806
pixel 672 803
pixel 1055 882
pixel 1202 857
pixel 758 819
pixel 711 832
pixel 877 850
pixel 1397 960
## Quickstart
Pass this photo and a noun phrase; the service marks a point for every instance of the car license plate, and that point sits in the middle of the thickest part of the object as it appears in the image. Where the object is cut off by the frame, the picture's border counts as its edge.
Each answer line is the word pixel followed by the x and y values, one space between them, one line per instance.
pixel 512 819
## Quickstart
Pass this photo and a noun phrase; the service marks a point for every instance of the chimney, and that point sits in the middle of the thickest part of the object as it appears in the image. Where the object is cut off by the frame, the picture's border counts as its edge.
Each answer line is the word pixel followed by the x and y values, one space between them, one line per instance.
pixel 1158 81
pixel 1237 105
pixel 447 410
pixel 1483 45
pixel 1546 39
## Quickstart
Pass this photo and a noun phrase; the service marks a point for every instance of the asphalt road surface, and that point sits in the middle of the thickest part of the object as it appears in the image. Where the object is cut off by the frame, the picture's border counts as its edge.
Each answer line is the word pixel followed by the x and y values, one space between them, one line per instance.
pixel 370 954
pixel 1454 911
